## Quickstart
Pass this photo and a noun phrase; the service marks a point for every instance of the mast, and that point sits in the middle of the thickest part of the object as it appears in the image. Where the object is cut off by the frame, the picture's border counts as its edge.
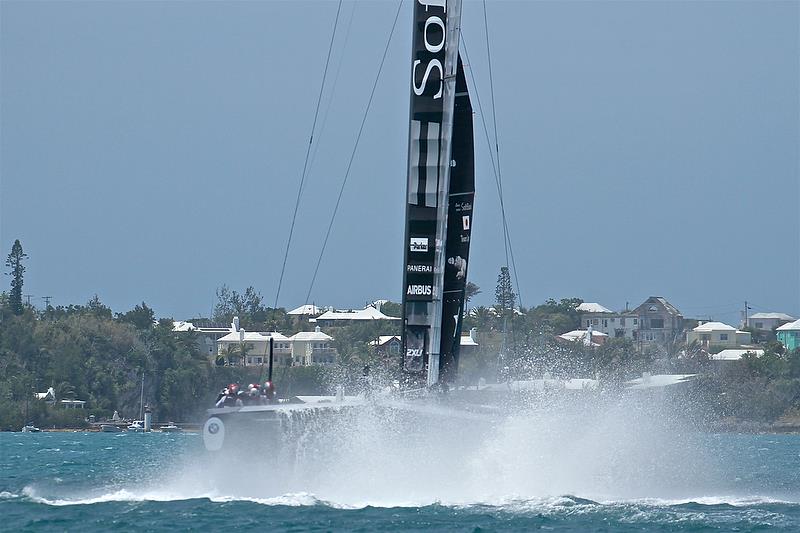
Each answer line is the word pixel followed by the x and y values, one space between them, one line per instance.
pixel 429 300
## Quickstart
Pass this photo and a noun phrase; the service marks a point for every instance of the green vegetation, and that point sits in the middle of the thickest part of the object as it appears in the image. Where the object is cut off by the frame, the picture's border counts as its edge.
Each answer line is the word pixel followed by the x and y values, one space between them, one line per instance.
pixel 87 352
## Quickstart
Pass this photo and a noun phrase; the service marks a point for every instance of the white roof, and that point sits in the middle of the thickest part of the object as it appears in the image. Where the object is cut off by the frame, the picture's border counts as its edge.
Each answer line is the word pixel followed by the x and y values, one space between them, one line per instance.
pixel 659 380
pixel 368 313
pixel 467 340
pixel 253 336
pixel 307 309
pixel 779 316
pixel 383 339
pixel 182 325
pixel 592 307
pixel 714 326
pixel 791 326
pixel 315 335
pixel 578 335
pixel 734 354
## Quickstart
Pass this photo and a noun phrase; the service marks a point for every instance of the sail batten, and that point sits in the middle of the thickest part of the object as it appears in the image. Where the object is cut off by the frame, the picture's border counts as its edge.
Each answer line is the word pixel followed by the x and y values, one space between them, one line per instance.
pixel 437 232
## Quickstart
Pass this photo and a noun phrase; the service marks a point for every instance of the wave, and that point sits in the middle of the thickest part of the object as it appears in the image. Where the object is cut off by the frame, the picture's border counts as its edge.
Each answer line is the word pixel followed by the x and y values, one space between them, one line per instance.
pixel 513 503
pixel 300 499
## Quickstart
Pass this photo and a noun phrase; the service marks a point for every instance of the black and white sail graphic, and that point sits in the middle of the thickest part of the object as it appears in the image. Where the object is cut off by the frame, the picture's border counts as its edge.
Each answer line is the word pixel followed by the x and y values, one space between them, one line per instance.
pixel 431 302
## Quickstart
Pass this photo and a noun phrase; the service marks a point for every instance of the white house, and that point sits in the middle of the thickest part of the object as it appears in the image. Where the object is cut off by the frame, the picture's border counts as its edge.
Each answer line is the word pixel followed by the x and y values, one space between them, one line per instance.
pixel 710 334
pixel 312 348
pixel 602 319
pixel 768 321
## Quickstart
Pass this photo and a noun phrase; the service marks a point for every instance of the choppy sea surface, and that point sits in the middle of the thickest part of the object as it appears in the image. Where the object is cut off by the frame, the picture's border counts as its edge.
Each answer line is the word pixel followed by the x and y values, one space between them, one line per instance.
pixel 99 481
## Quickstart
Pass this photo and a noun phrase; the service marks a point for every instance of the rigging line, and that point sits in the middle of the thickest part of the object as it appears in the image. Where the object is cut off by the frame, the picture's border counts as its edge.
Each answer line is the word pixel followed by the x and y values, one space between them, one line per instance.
pixel 507 235
pixel 305 162
pixel 506 232
pixel 333 88
pixel 353 153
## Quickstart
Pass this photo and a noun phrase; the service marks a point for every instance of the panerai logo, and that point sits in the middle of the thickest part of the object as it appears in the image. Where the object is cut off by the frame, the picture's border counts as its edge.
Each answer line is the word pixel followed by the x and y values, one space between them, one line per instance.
pixel 433 34
pixel 418 244
pixel 421 269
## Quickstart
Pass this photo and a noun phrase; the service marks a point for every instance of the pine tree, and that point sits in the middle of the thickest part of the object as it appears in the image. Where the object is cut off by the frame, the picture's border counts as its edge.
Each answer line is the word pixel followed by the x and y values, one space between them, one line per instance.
pixel 504 293
pixel 14 262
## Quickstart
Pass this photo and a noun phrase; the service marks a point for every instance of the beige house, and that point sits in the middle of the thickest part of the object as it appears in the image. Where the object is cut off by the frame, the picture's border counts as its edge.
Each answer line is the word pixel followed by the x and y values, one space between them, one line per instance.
pixel 255 346
pixel 717 334
pixel 312 348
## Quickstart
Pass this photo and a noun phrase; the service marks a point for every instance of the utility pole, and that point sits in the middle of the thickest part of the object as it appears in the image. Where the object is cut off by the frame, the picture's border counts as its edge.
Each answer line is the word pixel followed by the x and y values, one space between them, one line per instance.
pixel 47 301
pixel 745 313
pixel 28 298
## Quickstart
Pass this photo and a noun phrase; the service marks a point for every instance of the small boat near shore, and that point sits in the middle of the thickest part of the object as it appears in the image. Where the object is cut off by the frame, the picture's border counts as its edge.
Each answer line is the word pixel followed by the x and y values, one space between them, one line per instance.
pixel 110 428
pixel 171 428
pixel 137 426
pixel 30 428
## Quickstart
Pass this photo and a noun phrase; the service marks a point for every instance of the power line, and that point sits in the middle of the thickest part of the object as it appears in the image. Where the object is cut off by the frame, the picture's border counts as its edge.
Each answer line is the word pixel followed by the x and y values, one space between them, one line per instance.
pixel 353 153
pixel 305 162
pixel 506 232
pixel 333 87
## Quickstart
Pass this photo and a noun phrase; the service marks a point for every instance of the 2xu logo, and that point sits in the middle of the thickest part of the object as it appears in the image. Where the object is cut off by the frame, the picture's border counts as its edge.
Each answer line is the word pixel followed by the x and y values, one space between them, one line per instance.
pixel 433 33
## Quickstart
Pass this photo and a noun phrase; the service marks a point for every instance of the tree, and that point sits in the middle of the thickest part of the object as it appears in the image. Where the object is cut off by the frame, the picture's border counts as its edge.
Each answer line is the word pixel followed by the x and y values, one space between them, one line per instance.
pixel 14 262
pixel 471 291
pixel 504 293
pixel 141 316
pixel 248 307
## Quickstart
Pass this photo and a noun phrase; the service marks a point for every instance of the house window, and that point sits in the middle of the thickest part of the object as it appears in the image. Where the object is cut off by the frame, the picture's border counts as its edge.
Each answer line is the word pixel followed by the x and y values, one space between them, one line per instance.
pixel 605 323
pixel 657 323
pixel 723 336
pixel 705 337
pixel 622 321
pixel 635 321
pixel 759 325
pixel 394 348
pixel 595 321
pixel 588 323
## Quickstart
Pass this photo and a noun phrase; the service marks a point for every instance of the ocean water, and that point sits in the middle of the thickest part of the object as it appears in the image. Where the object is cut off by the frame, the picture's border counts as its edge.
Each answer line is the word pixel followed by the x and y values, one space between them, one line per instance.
pixel 530 474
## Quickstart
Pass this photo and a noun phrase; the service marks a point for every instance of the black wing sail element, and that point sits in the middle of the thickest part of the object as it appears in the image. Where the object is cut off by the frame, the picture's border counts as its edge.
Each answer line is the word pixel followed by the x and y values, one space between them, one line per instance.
pixel 433 93
pixel 459 229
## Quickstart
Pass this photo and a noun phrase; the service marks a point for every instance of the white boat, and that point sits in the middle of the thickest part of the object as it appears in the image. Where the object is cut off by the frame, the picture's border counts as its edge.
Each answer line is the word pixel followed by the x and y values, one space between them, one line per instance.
pixel 109 428
pixel 30 428
pixel 137 426
pixel 171 428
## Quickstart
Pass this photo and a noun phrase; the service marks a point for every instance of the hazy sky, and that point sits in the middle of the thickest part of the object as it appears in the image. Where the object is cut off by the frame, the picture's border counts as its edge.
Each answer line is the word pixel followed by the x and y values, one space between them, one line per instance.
pixel 152 151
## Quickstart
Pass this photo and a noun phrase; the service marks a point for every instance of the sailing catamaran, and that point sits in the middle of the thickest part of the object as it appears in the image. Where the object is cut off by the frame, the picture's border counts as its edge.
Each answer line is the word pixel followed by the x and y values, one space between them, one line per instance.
pixel 439 204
